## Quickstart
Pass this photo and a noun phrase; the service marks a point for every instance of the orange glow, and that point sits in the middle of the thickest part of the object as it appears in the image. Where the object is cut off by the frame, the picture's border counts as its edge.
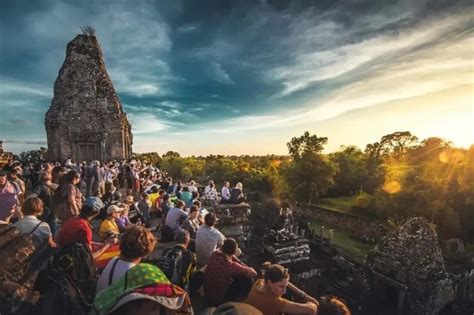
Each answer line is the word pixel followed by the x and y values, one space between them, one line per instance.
pixel 392 187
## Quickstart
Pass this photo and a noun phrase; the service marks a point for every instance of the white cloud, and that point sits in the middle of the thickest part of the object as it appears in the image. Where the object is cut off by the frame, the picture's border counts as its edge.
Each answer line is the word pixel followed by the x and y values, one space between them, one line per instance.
pixel 146 123
pixel 310 66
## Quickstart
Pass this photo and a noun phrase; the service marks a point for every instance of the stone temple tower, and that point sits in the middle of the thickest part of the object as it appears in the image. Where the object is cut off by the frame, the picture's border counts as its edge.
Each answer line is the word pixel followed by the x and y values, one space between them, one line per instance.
pixel 86 120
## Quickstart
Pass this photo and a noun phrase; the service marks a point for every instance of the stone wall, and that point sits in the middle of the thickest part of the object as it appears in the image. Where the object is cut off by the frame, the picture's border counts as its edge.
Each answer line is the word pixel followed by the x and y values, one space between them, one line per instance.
pixel 369 231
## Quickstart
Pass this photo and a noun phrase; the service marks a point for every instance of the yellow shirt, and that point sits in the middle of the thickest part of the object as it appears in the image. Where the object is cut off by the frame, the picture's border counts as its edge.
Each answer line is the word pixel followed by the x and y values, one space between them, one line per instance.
pixel 108 226
pixel 263 300
pixel 152 198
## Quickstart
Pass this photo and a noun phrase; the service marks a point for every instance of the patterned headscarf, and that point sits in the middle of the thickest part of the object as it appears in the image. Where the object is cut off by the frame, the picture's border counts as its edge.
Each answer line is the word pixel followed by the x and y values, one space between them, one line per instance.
pixel 144 281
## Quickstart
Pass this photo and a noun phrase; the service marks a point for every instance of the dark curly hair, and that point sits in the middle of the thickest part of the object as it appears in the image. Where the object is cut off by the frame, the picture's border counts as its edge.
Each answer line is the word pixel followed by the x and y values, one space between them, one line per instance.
pixel 136 242
pixel 332 305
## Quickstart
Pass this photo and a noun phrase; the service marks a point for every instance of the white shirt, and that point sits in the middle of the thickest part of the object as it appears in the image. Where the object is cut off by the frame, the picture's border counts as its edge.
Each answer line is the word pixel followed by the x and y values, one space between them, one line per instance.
pixel 120 269
pixel 192 188
pixel 225 193
pixel 208 239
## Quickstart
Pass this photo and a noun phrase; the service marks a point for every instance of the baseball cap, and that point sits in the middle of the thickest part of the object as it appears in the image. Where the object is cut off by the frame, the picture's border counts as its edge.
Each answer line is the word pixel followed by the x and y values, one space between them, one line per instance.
pixel 94 202
pixel 114 208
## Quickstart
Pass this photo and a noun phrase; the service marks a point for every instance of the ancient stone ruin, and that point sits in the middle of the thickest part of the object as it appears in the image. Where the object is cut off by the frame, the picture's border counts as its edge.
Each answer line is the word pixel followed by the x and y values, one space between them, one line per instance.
pixel 412 257
pixel 86 120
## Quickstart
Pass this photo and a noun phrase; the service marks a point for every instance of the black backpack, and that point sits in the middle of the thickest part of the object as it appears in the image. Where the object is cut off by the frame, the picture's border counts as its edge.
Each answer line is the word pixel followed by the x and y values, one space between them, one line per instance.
pixel 21 261
pixel 59 295
pixel 170 263
pixel 167 234
pixel 76 261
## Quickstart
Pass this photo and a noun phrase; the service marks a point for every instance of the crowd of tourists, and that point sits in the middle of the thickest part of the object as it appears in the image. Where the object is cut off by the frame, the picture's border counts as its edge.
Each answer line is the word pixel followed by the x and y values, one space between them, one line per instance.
pixel 83 238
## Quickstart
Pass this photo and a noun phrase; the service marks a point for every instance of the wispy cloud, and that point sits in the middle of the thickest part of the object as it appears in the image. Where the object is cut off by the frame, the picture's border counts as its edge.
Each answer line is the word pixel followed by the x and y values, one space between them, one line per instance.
pixel 146 123
pixel 28 142
pixel 310 67
pixel 220 74
pixel 13 88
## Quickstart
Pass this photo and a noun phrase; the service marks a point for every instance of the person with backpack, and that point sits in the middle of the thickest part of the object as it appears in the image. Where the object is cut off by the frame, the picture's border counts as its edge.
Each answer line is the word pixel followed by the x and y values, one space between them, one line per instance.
pixel 177 262
pixel 30 224
pixel 135 243
pixel 78 230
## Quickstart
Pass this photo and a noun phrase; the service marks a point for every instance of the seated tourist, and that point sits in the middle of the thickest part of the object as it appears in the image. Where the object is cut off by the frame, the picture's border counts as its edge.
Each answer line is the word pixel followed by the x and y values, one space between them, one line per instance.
pixel 208 239
pixel 192 187
pixel 236 194
pixel 202 211
pixel 226 278
pixel 171 187
pixel 225 192
pixel 113 195
pixel 144 206
pixel 176 216
pixel 166 205
pixel 187 260
pixel 187 197
pixel 108 227
pixel 210 193
pixel 135 243
pixel 285 220
pixel 191 224
pixel 153 194
pixel 179 189
pixel 78 229
pixel 143 290
pixel 134 213
pixel 266 294
pixel 30 224
pixel 156 206
pixel 123 221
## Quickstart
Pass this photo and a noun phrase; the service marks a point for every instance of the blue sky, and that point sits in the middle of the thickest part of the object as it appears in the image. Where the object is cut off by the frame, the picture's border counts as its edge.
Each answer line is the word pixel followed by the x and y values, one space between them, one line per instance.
pixel 243 77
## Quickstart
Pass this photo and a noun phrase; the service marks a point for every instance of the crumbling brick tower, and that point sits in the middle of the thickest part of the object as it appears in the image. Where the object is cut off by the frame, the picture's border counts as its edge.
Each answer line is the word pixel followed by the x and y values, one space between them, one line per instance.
pixel 86 120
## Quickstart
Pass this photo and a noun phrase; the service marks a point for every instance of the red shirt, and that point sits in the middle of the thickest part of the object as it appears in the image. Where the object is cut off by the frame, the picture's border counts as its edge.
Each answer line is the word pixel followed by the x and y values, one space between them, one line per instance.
pixel 218 276
pixel 75 229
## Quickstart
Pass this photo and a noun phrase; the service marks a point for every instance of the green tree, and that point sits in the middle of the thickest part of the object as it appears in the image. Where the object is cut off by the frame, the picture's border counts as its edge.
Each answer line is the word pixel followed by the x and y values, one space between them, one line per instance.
pixel 352 175
pixel 34 156
pixel 374 165
pixel 398 143
pixel 309 174
pixel 306 144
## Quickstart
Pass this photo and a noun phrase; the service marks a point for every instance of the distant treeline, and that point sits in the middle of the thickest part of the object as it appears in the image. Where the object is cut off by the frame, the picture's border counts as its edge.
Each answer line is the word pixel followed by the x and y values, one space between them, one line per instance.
pixel 396 178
